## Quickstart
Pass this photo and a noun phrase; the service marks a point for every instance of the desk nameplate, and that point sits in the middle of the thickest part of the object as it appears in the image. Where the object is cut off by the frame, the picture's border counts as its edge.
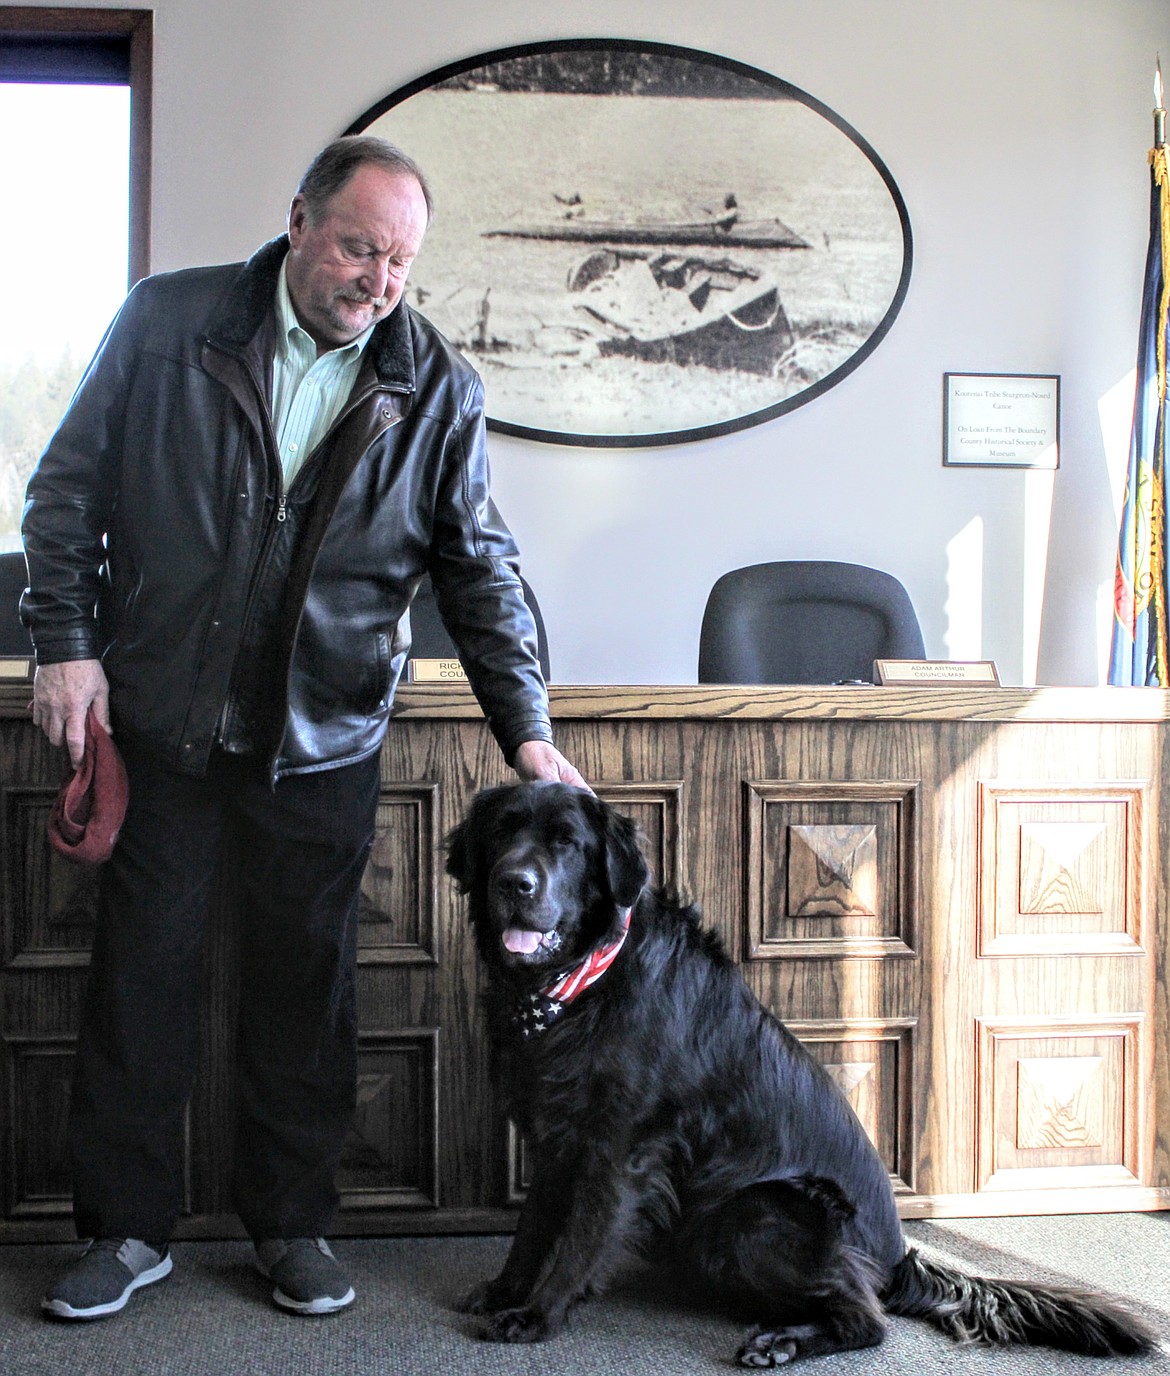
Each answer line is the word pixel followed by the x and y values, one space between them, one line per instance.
pixel 928 673
pixel 16 669
pixel 435 671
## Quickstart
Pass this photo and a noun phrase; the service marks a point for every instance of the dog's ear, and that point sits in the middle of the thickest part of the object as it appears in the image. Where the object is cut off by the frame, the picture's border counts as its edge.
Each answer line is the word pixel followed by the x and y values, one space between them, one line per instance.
pixel 464 842
pixel 625 865
pixel 459 844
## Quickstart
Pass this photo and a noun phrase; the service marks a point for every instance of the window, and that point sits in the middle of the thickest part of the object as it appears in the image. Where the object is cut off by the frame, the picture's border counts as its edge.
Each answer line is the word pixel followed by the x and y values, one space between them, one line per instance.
pixel 74 161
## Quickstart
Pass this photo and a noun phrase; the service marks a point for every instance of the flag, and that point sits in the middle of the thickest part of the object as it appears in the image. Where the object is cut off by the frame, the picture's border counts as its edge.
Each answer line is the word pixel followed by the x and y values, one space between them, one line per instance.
pixel 1138 655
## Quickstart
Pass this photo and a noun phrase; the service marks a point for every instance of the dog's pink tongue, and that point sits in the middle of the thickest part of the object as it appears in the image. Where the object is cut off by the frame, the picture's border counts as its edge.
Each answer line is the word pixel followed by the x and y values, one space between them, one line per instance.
pixel 521 941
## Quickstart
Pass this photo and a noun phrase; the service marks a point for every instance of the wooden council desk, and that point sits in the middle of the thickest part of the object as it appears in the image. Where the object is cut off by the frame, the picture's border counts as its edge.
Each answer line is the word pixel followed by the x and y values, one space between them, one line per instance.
pixel 956 897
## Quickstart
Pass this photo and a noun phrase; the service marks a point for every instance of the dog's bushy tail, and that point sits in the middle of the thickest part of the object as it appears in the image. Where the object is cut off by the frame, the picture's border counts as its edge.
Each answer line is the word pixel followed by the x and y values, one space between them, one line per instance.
pixel 971 1309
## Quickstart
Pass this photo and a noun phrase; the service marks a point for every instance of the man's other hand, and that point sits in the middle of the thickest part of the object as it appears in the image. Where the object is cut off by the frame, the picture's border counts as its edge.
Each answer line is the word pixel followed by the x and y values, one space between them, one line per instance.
pixel 62 694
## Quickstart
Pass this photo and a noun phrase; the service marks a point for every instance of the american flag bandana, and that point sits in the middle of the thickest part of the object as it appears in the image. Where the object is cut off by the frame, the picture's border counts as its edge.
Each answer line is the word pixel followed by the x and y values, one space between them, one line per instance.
pixel 536 1012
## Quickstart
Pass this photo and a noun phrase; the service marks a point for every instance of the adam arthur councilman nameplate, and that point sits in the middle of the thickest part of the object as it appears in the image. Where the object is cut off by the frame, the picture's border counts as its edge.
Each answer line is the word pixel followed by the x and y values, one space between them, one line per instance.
pixel 936 673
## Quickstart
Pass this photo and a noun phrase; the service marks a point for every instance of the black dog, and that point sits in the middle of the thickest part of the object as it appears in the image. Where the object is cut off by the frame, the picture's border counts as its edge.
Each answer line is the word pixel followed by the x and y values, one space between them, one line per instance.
pixel 663 1103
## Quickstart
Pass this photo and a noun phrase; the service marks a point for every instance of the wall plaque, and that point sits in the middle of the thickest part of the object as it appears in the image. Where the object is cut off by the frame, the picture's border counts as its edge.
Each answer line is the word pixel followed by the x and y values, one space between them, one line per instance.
pixel 995 420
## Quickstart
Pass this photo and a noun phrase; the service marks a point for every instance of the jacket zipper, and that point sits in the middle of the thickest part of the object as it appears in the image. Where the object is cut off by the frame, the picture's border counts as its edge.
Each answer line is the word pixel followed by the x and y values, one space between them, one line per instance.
pixel 274 771
pixel 280 515
pixel 351 404
pixel 267 535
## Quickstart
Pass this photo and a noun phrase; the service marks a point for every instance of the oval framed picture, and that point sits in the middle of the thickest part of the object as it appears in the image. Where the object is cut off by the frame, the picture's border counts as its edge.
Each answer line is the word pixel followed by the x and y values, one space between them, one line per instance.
pixel 640 244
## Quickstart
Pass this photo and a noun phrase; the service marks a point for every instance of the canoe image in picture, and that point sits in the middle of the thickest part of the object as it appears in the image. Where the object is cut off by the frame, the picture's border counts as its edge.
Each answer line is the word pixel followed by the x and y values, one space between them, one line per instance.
pixel 724 231
pixel 687 309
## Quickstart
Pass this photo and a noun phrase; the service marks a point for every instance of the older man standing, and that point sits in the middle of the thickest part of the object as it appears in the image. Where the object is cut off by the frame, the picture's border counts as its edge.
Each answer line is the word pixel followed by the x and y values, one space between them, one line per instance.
pixel 259 465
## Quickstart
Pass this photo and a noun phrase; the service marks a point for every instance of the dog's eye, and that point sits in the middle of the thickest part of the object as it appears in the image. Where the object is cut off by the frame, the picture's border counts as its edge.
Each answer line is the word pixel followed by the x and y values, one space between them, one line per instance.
pixel 565 841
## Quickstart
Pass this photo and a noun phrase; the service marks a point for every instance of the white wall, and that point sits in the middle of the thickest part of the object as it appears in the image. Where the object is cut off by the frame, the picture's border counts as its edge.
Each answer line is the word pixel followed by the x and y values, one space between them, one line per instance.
pixel 1017 131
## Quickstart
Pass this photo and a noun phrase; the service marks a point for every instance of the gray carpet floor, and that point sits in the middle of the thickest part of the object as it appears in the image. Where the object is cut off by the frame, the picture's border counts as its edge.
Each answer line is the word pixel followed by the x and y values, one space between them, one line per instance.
pixel 212 1317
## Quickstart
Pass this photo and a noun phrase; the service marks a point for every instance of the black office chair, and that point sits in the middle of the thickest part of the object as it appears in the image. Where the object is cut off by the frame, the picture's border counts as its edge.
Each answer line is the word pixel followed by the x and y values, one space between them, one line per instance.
pixel 429 637
pixel 805 621
pixel 15 641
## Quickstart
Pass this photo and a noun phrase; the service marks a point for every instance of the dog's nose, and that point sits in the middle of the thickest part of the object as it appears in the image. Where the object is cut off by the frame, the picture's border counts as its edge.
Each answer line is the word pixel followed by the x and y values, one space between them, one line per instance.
pixel 518 883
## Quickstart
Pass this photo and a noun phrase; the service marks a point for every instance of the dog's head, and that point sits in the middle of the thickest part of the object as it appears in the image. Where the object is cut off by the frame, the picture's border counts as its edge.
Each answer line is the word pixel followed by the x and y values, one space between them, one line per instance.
pixel 549 871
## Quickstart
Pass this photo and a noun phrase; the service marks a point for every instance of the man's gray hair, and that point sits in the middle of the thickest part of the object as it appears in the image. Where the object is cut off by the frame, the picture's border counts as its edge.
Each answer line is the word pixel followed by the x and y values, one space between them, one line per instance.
pixel 338 161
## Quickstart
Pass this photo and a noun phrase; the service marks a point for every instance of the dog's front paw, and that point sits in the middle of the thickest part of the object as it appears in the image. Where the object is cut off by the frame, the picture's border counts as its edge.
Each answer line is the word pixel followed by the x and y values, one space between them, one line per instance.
pixel 523 1325
pixel 487 1297
pixel 768 1349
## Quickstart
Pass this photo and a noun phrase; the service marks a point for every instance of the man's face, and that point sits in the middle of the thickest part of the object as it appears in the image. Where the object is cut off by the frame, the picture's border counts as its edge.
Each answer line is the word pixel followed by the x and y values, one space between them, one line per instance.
pixel 350 270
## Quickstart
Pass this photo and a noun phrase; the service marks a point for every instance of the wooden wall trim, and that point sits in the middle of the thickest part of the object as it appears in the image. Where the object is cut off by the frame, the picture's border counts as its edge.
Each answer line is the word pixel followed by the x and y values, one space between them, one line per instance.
pixel 696 703
pixel 596 702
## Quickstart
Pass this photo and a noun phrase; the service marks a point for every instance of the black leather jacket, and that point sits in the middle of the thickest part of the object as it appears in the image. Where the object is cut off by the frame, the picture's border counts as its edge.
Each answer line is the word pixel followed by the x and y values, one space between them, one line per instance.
pixel 231 611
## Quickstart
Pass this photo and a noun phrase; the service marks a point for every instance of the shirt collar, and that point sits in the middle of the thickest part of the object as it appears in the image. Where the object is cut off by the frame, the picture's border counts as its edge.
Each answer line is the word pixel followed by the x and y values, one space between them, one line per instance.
pixel 290 330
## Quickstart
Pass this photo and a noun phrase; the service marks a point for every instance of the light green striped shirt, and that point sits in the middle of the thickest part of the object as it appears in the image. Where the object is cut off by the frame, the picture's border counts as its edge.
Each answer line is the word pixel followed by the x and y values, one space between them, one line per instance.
pixel 308 392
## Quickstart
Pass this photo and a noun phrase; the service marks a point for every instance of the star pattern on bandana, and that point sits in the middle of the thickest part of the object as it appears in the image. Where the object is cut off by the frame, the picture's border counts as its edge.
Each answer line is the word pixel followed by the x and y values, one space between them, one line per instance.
pixel 536 1012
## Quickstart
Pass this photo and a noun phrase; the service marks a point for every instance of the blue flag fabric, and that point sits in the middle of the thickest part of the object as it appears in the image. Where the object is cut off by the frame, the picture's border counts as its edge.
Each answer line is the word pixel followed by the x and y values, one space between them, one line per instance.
pixel 1138 655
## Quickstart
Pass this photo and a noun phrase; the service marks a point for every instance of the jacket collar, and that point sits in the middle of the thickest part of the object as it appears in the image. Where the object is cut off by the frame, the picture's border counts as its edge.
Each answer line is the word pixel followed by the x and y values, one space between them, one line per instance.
pixel 245 306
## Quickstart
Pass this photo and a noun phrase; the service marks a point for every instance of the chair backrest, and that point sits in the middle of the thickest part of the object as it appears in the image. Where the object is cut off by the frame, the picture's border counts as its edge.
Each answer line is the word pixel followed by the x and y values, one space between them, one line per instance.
pixel 15 640
pixel 429 637
pixel 805 621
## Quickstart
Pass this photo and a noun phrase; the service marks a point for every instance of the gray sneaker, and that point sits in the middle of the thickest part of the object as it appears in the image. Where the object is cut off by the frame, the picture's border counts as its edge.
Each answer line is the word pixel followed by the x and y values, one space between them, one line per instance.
pixel 308 1278
pixel 104 1277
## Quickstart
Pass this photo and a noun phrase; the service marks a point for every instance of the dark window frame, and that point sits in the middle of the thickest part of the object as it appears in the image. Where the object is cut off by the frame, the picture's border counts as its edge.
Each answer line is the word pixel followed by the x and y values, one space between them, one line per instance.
pixel 69 26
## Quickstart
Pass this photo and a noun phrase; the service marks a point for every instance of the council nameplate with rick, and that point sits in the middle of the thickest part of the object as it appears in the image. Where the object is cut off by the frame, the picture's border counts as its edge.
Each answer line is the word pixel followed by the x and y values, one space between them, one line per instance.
pixel 435 671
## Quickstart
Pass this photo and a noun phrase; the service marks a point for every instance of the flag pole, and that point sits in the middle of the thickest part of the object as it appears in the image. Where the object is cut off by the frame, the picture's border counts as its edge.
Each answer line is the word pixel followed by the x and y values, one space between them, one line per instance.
pixel 1161 177
pixel 1140 650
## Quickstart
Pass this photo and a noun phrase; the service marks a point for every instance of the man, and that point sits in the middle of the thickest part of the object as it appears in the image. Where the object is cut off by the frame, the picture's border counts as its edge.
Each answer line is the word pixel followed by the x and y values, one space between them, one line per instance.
pixel 259 465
